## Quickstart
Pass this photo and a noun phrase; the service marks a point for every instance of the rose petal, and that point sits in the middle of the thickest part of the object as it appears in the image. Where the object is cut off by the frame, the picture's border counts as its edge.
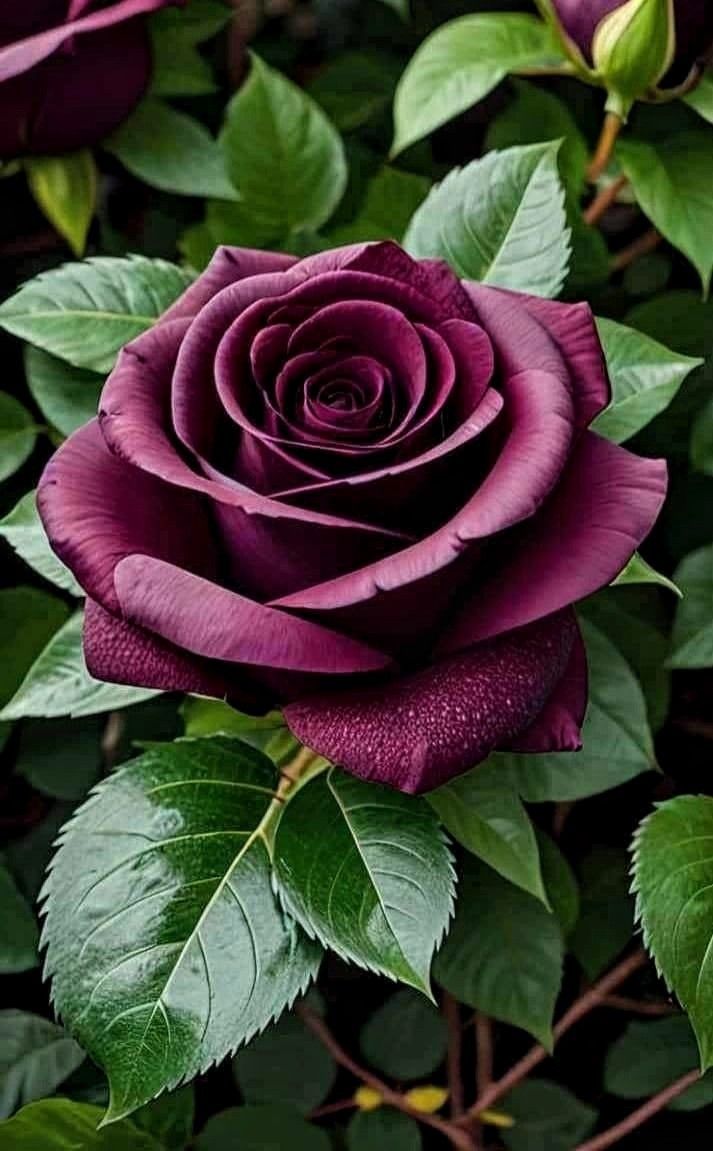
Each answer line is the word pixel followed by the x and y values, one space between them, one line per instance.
pixel 558 726
pixel 227 266
pixel 418 732
pixel 606 504
pixel 574 329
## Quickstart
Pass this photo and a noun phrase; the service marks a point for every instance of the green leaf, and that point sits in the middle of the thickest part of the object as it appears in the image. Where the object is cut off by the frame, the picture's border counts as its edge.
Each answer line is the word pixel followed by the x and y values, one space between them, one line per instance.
pixel 402 7
pixel 171 152
pixel 638 571
pixel 270 1128
pixel 60 757
pixel 671 179
pixel 547 1117
pixel 23 530
pixel 61 1125
pixel 692 639
pixel 28 619
pixel 536 115
pixel 510 967
pixel 67 397
pixel 35 1057
pixel 702 440
pixel 645 378
pixel 500 220
pixel 483 811
pixel 650 1056
pixel 701 98
pixel 461 62
pixel 178 68
pixel 355 87
pixel 169 1118
pixel 84 313
pixel 391 199
pixel 268 733
pixel 20 937
pixel 406 1038
pixel 18 435
pixel 283 155
pixel 673 882
pixel 560 883
pixel 65 187
pixel 288 1065
pixel 171 949
pixel 59 684
pixel 606 916
pixel 381 1129
pixel 366 870
pixel 617 739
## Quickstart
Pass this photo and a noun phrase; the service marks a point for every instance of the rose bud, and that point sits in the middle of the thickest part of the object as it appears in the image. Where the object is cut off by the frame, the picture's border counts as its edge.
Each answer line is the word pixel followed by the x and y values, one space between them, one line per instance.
pixel 635 48
pixel 70 71
pixel 360 489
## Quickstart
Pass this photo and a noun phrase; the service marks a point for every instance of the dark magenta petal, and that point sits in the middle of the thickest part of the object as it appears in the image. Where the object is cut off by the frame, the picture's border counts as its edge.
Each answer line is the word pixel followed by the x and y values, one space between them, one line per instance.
pixel 227 266
pixel 604 507
pixel 209 620
pixel 574 329
pixel 96 510
pixel 432 278
pixel 474 361
pixel 558 727
pixel 580 19
pixel 418 732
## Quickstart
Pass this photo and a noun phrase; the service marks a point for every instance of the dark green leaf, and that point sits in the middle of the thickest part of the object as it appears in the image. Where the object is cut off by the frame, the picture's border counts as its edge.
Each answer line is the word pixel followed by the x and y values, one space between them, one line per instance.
pixel 35 1057
pixel 483 811
pixel 67 397
pixel 355 87
pixel 382 1129
pixel 65 187
pixel 20 936
pixel 702 440
pixel 645 377
pixel 701 98
pixel 500 220
pixel 23 530
pixel 171 152
pixel 60 757
pixel 650 1056
pixel 28 619
pixel 84 313
pixel 178 68
pixel 673 881
pixel 692 640
pixel 169 1118
pixel 638 571
pixel 547 1117
pixel 366 871
pixel 61 1125
pixel 606 916
pixel 560 883
pixel 18 434
pixel 391 199
pixel 268 733
pixel 504 953
pixel 536 115
pixel 405 1038
pixel 171 949
pixel 261 1129
pixel 286 1064
pixel 460 63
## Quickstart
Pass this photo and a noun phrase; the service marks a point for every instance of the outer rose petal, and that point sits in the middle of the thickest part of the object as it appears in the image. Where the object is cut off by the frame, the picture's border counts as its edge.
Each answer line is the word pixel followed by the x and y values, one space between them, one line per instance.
pixel 227 266
pixel 606 504
pixel 558 726
pixel 418 732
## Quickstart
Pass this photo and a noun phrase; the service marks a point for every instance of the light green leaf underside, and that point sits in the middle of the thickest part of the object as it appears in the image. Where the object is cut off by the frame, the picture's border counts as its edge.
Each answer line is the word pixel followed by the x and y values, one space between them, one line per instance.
pixel 23 530
pixel 692 639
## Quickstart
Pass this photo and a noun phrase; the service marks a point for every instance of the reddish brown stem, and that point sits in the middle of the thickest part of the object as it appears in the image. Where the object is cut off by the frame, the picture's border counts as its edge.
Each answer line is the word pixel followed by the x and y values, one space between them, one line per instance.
pixel 611 128
pixel 451 1014
pixel 639 1006
pixel 640 247
pixel 332 1108
pixel 641 1115
pixel 604 200
pixel 484 1051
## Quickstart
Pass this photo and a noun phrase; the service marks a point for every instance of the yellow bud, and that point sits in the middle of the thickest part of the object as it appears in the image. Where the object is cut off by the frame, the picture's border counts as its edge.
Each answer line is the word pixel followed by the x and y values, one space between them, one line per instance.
pixel 496 1119
pixel 367 1098
pixel 427 1099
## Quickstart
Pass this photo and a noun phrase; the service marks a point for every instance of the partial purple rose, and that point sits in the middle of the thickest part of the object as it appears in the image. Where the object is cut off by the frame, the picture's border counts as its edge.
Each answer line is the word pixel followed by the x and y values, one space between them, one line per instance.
pixel 70 71
pixel 357 488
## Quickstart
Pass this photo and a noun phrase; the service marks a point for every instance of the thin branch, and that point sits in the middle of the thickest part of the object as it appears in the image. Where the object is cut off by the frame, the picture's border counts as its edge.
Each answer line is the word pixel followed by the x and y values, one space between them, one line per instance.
pixel 611 128
pixel 451 1014
pixel 484 1052
pixel 604 200
pixel 641 1115
pixel 458 1138
pixel 586 1003
pixel 639 1006
pixel 645 244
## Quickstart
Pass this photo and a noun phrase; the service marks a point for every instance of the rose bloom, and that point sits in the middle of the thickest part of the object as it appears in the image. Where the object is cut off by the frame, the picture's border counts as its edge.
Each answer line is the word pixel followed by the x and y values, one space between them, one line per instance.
pixel 357 488
pixel 70 71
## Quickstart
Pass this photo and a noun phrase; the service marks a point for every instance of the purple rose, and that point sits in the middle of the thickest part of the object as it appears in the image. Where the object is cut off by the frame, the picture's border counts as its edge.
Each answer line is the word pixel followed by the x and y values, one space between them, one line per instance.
pixel 70 71
pixel 358 488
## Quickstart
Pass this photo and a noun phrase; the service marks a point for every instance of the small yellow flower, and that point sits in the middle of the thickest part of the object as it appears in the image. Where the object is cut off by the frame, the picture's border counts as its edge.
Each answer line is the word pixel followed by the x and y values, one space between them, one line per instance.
pixel 427 1099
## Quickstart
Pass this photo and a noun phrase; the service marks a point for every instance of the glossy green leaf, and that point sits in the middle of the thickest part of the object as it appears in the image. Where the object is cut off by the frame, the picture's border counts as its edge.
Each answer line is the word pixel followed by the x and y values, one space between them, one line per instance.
pixel 62 1125
pixel 67 397
pixel 638 571
pixel 59 684
pixel 701 98
pixel 381 1129
pixel 28 620
pixel 283 156
pixel 702 440
pixel 649 1056
pixel 391 199
pixel 268 733
pixel 20 936
pixel 500 220
pixel 65 187
pixel 606 914
pixel 35 1057
pixel 692 639
pixel 617 739
pixel 171 151
pixel 670 180
pixel 18 435
pixel 61 757
pixel 84 313
pixel 171 949
pixel 504 953
pixel 366 870
pixel 673 881
pixel 355 87
pixel 23 530
pixel 288 1065
pixel 178 67
pixel 483 811
pixel 536 115
pixel 547 1117
pixel 560 883
pixel 261 1129
pixel 461 62
pixel 405 1038
pixel 169 1118
pixel 645 377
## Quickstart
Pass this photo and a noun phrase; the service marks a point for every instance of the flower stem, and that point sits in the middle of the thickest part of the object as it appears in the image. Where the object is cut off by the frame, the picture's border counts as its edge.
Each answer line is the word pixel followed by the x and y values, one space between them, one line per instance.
pixel 611 128
pixel 641 247
pixel 604 200
pixel 641 1115
pixel 451 1014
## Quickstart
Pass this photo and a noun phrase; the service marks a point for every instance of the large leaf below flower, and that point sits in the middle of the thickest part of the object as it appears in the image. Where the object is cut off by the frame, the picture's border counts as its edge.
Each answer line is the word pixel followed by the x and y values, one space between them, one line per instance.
pixel 367 871
pixel 168 949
